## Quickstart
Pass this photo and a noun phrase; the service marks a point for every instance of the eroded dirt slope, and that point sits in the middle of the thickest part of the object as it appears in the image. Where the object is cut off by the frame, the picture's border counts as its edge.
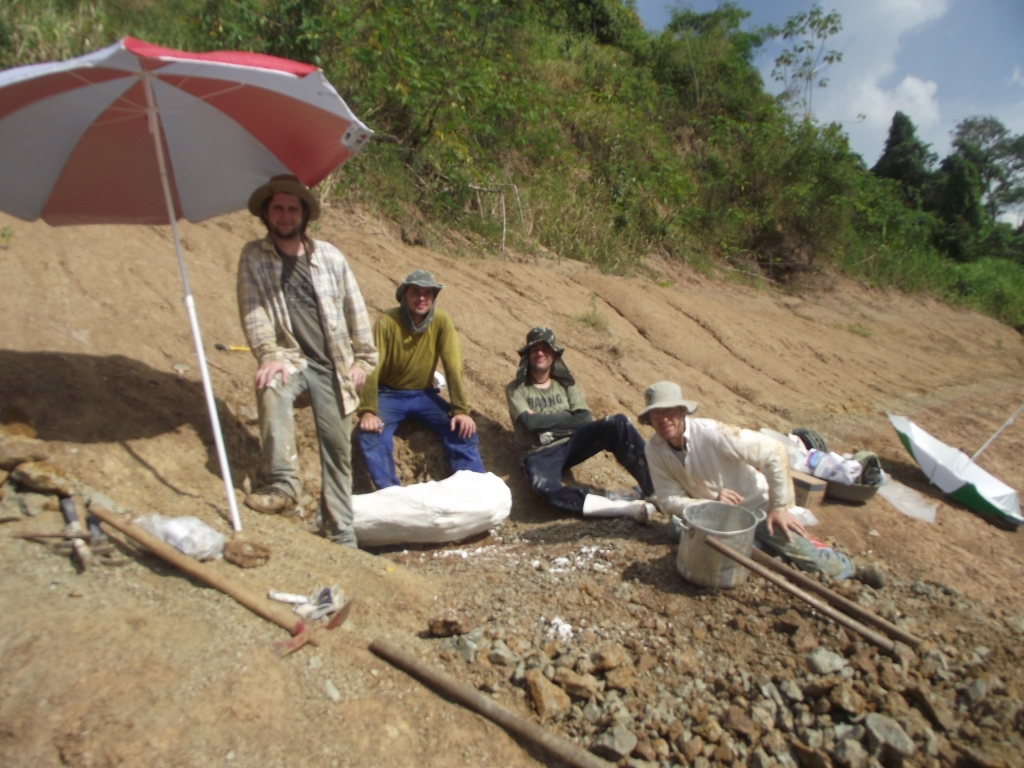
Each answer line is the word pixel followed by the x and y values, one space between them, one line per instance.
pixel 139 666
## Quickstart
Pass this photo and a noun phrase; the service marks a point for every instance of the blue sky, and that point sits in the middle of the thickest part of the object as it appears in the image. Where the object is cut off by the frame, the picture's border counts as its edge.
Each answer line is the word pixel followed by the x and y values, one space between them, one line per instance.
pixel 938 61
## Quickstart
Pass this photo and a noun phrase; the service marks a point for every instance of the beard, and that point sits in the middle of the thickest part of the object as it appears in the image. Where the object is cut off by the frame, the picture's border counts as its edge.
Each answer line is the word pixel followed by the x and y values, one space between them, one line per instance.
pixel 285 234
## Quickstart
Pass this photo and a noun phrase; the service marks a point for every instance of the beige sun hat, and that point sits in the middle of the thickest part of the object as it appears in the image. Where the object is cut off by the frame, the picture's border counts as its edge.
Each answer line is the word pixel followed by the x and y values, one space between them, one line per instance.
pixel 664 394
pixel 285 183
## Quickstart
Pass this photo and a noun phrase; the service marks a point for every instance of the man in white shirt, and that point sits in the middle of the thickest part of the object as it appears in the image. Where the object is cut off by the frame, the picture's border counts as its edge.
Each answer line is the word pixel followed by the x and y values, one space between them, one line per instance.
pixel 693 461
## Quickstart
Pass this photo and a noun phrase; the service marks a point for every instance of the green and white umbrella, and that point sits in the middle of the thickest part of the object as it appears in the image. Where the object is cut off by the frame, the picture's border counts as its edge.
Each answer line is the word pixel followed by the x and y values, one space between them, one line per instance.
pixel 952 472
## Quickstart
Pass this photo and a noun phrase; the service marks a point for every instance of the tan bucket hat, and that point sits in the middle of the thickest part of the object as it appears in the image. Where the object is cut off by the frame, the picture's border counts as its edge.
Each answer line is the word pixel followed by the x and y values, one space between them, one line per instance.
pixel 664 394
pixel 284 183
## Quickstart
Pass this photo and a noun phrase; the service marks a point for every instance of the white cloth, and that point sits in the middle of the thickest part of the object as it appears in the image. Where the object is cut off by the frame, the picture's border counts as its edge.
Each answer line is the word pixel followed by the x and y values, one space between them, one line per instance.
pixel 720 456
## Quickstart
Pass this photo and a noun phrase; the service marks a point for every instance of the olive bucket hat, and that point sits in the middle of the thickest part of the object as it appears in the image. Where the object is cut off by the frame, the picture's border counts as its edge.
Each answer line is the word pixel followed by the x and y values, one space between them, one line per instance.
pixel 540 335
pixel 288 184
pixel 664 394
pixel 421 278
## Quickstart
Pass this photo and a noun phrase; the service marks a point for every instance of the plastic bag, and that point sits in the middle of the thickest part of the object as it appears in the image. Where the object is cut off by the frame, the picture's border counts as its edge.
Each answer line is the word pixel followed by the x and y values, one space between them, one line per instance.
pixel 189 535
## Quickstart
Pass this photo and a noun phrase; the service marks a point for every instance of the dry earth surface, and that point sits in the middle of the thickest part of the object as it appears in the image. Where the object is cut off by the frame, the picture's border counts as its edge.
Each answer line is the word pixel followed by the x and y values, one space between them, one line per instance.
pixel 138 665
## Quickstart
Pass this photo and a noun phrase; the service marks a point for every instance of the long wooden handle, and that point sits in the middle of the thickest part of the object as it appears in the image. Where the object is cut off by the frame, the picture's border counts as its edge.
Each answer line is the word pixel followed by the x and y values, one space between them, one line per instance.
pixel 821 606
pixel 205 574
pixel 838 601
pixel 558 746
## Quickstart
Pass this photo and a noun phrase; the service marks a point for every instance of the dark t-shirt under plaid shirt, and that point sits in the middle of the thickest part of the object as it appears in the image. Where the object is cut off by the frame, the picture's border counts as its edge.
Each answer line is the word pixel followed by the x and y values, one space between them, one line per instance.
pixel 299 298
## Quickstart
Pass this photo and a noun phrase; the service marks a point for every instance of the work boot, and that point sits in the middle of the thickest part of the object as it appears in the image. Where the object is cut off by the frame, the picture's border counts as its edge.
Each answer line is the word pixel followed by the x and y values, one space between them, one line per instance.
pixel 270 500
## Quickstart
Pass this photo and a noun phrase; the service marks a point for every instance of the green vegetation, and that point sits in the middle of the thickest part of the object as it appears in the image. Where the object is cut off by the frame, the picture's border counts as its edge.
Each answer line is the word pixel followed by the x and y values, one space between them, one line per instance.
pixel 594 318
pixel 620 143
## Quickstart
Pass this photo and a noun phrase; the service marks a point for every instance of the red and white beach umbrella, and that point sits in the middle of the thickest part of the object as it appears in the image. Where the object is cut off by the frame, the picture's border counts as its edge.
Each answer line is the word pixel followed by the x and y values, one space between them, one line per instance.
pixel 139 134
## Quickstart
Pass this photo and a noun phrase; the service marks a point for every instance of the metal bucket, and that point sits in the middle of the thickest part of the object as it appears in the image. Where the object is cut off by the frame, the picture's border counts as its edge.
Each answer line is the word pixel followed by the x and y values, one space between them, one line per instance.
pixel 729 524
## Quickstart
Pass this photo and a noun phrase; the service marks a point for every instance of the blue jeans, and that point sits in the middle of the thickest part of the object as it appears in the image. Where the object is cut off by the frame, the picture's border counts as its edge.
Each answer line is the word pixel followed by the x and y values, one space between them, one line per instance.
pixel 429 409
pixel 803 554
pixel 613 433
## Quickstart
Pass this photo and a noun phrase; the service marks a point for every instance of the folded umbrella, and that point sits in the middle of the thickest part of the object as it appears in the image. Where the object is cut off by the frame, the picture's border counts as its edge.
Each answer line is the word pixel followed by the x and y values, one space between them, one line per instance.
pixel 952 472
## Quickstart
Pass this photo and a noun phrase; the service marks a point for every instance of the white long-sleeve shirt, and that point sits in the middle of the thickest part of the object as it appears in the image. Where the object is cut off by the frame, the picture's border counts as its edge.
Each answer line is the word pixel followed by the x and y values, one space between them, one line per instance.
pixel 718 456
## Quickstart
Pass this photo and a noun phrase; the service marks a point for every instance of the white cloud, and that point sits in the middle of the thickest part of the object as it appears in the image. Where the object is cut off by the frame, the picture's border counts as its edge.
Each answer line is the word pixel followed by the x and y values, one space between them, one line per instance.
pixel 1017 77
pixel 870 41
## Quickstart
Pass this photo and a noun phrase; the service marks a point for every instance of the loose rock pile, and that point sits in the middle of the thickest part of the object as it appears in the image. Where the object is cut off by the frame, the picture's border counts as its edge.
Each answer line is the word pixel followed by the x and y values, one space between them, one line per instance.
pixel 603 641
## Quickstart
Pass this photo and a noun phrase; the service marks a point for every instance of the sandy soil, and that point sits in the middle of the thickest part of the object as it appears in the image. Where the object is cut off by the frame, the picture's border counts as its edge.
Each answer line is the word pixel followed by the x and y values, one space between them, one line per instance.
pixel 137 665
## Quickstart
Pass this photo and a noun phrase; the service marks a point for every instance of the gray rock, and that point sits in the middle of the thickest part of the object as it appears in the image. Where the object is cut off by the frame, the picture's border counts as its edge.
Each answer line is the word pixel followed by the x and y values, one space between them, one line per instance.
pixel 851 753
pixel 450 644
pixel 31 504
pixel 791 690
pixel 760 759
pixel 976 691
pixel 769 691
pixel 824 662
pixel 502 655
pixel 614 744
pixel 519 673
pixel 591 712
pixel 702 762
pixel 886 738
pixel 467 648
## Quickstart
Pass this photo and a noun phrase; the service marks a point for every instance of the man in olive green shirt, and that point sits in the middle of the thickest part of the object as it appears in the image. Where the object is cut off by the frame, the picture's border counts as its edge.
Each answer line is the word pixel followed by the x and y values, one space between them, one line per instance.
pixel 555 431
pixel 411 339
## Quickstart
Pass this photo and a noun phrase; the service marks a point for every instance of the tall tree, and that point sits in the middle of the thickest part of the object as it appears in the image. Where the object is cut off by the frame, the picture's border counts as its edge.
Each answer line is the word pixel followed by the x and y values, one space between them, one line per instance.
pixel 906 159
pixel 998 157
pixel 799 67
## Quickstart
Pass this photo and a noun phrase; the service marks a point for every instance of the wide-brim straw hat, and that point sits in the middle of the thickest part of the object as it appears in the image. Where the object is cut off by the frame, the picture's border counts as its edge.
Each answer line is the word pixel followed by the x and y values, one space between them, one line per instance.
pixel 664 394
pixel 288 184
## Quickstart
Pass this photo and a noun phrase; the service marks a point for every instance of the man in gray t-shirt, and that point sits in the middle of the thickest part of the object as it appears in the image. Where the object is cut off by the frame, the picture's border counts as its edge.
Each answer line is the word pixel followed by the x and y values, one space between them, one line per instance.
pixel 555 430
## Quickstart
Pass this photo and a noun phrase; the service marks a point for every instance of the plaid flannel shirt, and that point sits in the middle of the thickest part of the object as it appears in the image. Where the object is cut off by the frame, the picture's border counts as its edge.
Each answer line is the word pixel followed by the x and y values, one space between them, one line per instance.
pixel 268 328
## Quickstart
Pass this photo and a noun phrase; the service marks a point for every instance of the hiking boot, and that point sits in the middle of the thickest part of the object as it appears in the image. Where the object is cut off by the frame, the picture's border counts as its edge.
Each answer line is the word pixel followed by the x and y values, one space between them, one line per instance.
pixel 270 500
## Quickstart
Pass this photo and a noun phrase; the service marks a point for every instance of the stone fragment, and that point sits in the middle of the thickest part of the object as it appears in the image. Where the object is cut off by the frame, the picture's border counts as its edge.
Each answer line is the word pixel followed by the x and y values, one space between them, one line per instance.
pixel 332 693
pixel 889 676
pixel 686 662
pixel 825 662
pixel 591 712
pixel 43 477
pixel 711 730
pixel 701 762
pixel 737 721
pixel 619 678
pixel 501 655
pixel 723 754
pixel 791 690
pixel 548 698
pixel 694 747
pixel 809 757
pixel 804 639
pixel 646 662
pixel 449 622
pixel 644 750
pixel 862 661
pixel 614 744
pixel 31 504
pixel 821 686
pixel 580 686
pixel 975 692
pixel 760 759
pixel 847 699
pixel 886 739
pixel 934 707
pixel 467 648
pixel 775 743
pixel 790 622
pixel 15 450
pixel 851 754
pixel 610 656
pixel 762 717
pixel 662 750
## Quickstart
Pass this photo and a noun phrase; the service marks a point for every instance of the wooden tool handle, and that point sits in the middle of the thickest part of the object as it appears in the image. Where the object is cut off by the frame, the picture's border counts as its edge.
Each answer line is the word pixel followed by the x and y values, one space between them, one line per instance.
pixel 821 606
pixel 194 568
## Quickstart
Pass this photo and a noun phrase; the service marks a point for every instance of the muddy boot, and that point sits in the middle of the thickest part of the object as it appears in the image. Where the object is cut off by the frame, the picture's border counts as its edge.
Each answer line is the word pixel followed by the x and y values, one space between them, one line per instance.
pixel 271 500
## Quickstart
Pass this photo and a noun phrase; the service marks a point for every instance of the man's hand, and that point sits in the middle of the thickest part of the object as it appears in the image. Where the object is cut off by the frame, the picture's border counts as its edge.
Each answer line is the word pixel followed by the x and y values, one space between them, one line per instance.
pixel 463 425
pixel 267 371
pixel 729 496
pixel 369 422
pixel 786 522
pixel 358 377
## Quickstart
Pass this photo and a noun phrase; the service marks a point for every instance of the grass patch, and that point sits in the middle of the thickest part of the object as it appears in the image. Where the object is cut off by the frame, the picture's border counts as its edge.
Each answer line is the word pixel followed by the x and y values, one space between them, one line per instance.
pixel 594 318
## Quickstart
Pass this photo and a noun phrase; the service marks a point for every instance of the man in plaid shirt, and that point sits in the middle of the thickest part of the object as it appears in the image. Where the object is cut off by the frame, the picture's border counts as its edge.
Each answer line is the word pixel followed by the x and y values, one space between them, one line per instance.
pixel 307 325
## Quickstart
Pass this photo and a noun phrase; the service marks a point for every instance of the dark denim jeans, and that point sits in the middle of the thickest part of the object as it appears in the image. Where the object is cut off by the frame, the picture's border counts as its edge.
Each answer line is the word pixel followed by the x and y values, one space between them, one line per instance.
pixel 428 408
pixel 613 433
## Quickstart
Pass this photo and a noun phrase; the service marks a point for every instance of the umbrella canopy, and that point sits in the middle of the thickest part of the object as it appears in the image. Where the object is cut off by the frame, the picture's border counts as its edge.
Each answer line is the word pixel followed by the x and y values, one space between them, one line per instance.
pixel 139 134
pixel 953 473
pixel 76 145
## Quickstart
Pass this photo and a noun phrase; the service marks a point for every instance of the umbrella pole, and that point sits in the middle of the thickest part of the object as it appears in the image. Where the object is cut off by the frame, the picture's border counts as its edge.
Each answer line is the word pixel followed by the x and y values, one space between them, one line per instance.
pixel 190 308
pixel 1006 423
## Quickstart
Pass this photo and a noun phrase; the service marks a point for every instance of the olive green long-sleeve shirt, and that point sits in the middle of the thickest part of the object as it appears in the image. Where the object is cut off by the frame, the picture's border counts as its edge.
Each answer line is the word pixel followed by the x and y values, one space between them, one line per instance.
pixel 408 360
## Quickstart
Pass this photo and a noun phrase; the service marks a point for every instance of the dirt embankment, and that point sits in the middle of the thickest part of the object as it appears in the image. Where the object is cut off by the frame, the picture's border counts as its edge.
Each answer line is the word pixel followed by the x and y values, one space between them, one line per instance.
pixel 138 666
